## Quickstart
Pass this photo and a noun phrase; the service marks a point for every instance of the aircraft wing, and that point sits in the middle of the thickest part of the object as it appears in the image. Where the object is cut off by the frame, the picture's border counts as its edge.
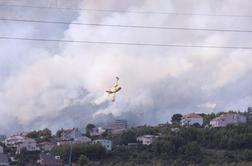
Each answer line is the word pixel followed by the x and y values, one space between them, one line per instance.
pixel 109 91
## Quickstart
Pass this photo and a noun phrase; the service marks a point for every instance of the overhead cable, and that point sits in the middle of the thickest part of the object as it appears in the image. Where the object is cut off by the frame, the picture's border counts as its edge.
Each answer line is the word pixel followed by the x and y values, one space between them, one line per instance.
pixel 126 11
pixel 124 43
pixel 125 26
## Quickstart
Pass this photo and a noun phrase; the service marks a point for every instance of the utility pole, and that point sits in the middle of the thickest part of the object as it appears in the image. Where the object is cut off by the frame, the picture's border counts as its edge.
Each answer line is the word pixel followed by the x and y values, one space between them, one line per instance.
pixel 70 155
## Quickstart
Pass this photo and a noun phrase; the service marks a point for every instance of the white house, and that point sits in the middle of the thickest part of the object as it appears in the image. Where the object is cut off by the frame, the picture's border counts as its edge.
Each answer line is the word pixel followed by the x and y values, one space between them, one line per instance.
pixel 29 144
pixel 14 140
pixel 228 118
pixel 147 139
pixel 107 144
pixel 192 119
pixel 70 134
pixel 97 131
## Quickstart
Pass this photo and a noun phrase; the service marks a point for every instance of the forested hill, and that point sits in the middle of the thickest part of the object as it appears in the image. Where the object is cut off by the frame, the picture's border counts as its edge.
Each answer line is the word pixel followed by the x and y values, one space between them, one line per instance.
pixel 231 145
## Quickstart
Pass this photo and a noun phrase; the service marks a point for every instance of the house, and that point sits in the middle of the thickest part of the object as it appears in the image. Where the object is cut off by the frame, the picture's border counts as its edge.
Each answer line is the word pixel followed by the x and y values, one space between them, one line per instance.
pixel 147 139
pixel 46 146
pixel 49 160
pixel 70 134
pixel 2 138
pixel 29 144
pixel 13 141
pixel 107 144
pixel 118 126
pixel 97 131
pixel 192 119
pixel 228 118
pixel 249 112
pixel 4 160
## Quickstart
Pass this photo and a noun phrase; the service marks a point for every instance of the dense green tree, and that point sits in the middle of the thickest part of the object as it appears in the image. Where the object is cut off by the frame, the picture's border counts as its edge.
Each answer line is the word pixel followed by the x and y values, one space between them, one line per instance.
pixel 45 133
pixel 191 151
pixel 128 137
pixel 83 161
pixel 207 118
pixel 92 151
pixel 90 128
pixel 26 157
pixel 163 147
pixel 143 130
pixel 58 133
pixel 33 134
pixel 176 119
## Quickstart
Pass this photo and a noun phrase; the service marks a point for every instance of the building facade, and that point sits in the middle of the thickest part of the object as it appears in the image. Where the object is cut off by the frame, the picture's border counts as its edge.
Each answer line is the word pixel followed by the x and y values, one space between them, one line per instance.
pixel 107 144
pixel 147 139
pixel 192 119
pixel 118 125
pixel 29 144
pixel 46 146
pixel 14 140
pixel 70 134
pixel 2 138
pixel 97 131
pixel 249 112
pixel 228 118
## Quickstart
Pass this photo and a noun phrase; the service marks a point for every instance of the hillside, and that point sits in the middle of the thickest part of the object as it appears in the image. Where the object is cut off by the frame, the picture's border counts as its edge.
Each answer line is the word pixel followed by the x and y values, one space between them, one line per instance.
pixel 193 145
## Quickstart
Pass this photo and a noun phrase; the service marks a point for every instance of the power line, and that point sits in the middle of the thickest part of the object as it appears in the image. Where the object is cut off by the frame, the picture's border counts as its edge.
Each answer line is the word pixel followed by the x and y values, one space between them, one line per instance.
pixel 122 43
pixel 125 26
pixel 126 11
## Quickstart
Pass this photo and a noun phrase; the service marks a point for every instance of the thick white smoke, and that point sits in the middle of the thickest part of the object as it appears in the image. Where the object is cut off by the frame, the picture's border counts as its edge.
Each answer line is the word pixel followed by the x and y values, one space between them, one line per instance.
pixel 63 85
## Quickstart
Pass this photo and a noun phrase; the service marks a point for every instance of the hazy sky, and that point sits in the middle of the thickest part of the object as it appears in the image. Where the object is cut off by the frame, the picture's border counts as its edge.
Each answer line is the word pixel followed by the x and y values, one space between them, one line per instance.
pixel 51 84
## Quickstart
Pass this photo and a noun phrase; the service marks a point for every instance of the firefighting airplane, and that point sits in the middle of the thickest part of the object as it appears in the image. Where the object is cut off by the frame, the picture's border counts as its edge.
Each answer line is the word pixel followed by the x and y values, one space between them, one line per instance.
pixel 115 88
